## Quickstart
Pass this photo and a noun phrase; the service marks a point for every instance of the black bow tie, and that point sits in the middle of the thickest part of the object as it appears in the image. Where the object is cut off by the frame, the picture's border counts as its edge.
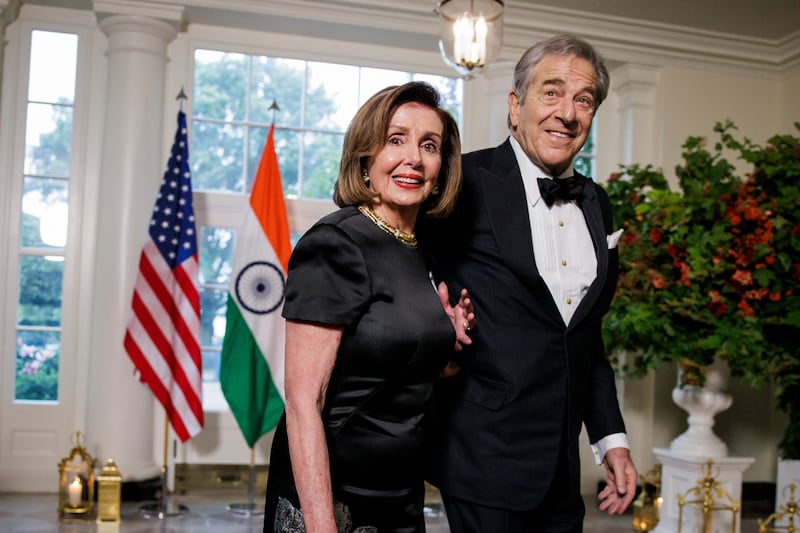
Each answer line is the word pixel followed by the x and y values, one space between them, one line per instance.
pixel 565 189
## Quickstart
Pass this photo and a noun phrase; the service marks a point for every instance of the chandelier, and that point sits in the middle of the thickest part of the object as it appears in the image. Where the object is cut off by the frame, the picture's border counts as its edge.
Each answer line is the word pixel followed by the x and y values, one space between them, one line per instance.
pixel 470 33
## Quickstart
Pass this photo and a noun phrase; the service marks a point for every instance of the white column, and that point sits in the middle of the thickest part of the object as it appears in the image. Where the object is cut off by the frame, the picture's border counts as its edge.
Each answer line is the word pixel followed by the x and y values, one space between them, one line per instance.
pixel 635 86
pixel 121 410
pixel 484 122
pixel 499 79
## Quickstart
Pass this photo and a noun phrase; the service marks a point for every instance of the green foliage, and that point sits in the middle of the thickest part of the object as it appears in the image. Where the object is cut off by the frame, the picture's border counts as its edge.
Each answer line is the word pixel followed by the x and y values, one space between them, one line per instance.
pixel 714 271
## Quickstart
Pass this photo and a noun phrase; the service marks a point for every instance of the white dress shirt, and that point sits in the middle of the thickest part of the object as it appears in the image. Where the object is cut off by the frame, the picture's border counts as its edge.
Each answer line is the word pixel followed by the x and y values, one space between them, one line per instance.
pixel 562 246
pixel 564 255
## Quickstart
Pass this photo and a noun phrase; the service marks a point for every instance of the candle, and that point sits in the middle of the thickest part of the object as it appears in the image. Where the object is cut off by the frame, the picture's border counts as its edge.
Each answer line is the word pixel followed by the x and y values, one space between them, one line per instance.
pixel 462 33
pixel 481 29
pixel 75 492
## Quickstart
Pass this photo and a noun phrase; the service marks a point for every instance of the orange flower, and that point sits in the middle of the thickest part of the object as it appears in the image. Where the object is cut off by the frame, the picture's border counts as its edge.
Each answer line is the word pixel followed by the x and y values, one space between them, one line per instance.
pixel 745 308
pixel 742 277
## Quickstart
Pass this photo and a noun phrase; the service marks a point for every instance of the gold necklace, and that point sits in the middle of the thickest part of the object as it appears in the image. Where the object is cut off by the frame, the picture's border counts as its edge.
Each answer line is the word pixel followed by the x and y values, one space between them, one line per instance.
pixel 409 239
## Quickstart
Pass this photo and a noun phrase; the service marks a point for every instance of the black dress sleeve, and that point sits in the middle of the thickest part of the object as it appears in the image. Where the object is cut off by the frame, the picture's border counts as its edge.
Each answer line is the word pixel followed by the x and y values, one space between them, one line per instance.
pixel 328 282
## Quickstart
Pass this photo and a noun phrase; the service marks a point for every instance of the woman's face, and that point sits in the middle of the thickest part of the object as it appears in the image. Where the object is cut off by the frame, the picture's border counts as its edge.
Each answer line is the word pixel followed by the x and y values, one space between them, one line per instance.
pixel 404 171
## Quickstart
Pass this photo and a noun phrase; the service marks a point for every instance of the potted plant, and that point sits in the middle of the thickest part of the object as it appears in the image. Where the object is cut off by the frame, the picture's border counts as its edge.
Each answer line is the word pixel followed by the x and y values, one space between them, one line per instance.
pixel 713 272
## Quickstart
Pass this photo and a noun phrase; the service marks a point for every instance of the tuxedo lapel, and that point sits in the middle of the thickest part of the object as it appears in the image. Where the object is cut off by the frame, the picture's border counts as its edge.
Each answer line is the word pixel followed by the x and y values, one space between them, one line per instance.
pixel 594 221
pixel 507 208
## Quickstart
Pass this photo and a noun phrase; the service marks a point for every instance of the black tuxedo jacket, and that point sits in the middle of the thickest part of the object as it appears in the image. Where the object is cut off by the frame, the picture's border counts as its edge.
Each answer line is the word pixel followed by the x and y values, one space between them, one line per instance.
pixel 528 381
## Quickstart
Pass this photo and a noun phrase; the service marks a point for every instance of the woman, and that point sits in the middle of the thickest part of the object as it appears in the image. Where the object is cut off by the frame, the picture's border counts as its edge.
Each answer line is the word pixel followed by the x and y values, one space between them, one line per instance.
pixel 366 335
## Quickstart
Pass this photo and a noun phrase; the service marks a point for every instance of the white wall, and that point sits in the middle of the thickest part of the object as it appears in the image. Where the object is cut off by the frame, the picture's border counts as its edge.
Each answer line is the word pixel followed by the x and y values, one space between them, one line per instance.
pixel 691 101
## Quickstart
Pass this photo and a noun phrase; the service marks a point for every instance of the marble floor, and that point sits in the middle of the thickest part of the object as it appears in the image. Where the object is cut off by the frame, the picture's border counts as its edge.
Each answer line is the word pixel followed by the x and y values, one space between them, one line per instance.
pixel 208 511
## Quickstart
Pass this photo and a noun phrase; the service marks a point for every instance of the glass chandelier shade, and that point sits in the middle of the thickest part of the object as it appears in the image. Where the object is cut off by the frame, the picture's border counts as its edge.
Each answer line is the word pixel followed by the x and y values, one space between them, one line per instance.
pixel 470 33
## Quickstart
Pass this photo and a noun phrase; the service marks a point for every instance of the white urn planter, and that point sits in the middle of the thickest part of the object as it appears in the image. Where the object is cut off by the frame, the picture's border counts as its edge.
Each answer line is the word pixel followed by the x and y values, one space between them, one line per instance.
pixel 702 403
pixel 687 457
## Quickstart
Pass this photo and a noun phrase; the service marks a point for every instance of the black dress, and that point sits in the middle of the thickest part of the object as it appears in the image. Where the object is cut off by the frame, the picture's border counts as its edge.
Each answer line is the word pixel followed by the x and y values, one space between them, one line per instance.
pixel 348 272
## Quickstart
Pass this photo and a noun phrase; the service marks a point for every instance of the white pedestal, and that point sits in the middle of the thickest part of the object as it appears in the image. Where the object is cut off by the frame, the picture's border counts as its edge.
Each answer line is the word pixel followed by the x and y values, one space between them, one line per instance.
pixel 680 473
pixel 788 473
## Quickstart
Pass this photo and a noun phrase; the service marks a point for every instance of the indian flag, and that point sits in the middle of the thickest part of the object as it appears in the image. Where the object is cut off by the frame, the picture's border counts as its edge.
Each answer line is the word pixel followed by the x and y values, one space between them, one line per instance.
pixel 251 367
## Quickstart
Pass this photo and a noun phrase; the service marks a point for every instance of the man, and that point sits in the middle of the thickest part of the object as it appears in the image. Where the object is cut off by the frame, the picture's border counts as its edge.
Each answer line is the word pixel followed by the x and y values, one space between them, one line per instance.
pixel 541 276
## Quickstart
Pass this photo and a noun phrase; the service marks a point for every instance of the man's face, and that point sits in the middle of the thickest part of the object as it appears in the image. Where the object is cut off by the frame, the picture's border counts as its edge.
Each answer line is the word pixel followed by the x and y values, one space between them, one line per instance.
pixel 553 122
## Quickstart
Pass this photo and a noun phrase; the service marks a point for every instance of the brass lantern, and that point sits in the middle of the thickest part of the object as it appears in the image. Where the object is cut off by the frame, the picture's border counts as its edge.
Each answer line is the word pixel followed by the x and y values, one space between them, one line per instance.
pixel 470 33
pixel 109 492
pixel 647 506
pixel 76 481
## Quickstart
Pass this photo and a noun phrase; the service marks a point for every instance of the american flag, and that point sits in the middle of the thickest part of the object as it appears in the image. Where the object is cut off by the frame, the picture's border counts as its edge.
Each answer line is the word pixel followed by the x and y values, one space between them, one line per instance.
pixel 163 333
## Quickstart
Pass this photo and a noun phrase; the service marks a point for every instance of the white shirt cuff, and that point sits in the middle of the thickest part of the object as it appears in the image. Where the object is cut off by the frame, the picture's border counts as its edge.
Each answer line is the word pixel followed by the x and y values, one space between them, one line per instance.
pixel 601 447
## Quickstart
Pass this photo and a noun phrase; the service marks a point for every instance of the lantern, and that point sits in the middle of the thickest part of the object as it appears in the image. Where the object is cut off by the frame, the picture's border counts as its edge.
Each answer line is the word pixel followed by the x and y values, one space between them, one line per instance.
pixel 109 492
pixel 647 505
pixel 76 481
pixel 471 33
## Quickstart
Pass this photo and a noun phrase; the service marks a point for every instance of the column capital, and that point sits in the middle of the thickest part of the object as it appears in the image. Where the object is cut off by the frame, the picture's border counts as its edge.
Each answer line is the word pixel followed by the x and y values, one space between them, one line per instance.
pixel 9 9
pixel 162 20
pixel 633 73
pixel 635 84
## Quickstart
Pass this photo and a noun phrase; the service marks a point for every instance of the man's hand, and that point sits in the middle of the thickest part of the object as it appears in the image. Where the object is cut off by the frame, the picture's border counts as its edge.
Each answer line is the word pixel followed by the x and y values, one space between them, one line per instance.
pixel 621 487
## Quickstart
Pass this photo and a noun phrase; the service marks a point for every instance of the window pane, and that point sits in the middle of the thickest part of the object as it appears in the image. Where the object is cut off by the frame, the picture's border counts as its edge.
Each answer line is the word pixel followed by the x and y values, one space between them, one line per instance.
pixel 331 101
pixel 584 165
pixel 213 306
pixel 375 79
pixel 451 91
pixel 36 376
pixel 54 59
pixel 211 359
pixel 216 255
pixel 48 140
pixel 216 157
pixel 44 213
pixel 220 85
pixel 281 81
pixel 588 147
pixel 321 155
pixel 216 259
pixel 256 139
pixel 287 146
pixel 40 281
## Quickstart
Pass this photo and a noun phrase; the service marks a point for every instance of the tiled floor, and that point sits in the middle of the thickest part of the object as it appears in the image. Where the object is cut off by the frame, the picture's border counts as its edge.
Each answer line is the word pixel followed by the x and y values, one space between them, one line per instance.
pixel 208 513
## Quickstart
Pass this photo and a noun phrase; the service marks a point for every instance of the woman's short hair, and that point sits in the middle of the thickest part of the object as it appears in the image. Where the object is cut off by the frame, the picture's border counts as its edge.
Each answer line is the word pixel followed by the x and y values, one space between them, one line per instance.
pixel 367 134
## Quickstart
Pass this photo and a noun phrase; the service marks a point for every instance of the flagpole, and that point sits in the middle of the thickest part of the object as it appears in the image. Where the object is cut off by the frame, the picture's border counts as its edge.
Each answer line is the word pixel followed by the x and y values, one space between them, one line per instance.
pixel 274 107
pixel 249 509
pixel 251 366
pixel 171 252
pixel 166 508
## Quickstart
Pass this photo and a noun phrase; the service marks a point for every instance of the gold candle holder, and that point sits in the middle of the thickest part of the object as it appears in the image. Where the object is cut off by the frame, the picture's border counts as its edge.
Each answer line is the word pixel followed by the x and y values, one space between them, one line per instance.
pixel 109 493
pixel 789 509
pixel 647 505
pixel 704 493
pixel 76 481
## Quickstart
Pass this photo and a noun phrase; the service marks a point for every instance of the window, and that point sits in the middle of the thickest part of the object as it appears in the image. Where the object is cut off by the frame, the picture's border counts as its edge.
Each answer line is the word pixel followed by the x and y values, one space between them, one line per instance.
pixel 585 160
pixel 231 115
pixel 43 224
pixel 232 112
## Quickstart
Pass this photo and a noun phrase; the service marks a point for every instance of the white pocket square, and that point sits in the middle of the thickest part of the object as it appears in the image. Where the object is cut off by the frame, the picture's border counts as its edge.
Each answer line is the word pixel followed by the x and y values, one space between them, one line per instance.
pixel 613 239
